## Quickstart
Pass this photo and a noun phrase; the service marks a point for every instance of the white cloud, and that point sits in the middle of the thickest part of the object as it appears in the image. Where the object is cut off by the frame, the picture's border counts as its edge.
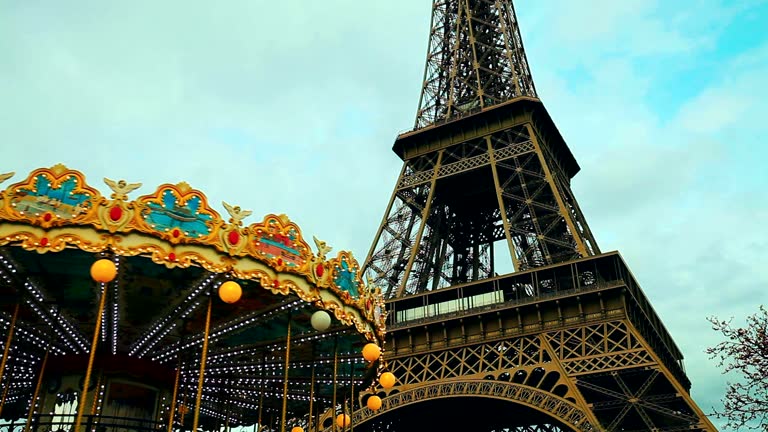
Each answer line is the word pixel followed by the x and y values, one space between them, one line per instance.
pixel 736 100
pixel 678 189
pixel 292 107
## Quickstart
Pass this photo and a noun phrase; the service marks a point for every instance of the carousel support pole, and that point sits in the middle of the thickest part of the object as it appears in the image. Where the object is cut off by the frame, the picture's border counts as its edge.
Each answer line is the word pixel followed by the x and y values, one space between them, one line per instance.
pixel 311 398
pixel 39 384
pixel 91 357
pixel 175 394
pixel 196 420
pixel 99 382
pixel 227 404
pixel 6 351
pixel 352 395
pixel 5 391
pixel 261 395
pixel 344 412
pixel 285 377
pixel 184 410
pixel 35 395
pixel 335 376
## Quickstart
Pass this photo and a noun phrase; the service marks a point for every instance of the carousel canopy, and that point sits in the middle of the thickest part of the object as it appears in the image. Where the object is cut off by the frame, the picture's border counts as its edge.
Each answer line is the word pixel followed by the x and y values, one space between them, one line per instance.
pixel 172 252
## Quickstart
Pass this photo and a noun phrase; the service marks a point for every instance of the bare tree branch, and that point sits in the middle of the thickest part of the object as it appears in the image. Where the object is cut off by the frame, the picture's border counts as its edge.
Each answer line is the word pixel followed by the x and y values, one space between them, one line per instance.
pixel 745 354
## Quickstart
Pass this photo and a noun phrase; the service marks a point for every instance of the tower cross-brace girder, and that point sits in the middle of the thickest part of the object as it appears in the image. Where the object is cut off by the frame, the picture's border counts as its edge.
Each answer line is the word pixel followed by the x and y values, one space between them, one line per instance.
pixel 475 59
pixel 456 198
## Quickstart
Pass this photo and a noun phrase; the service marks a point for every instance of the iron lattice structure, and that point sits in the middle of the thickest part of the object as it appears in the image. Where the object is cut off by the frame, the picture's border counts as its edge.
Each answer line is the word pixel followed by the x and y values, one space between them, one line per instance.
pixel 568 341
pixel 475 60
pixel 574 345
pixel 452 204
pixel 477 179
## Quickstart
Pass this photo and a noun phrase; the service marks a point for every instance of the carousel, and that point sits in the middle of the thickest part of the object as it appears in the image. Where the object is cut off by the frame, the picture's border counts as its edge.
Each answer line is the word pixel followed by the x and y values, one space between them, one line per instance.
pixel 157 313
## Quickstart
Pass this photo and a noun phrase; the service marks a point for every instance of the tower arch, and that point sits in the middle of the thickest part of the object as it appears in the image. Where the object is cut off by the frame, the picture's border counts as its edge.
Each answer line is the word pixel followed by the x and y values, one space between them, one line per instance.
pixel 548 405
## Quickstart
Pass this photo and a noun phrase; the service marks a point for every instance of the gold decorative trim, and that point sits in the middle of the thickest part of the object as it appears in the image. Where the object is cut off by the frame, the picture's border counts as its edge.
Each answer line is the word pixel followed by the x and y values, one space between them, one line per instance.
pixel 54 208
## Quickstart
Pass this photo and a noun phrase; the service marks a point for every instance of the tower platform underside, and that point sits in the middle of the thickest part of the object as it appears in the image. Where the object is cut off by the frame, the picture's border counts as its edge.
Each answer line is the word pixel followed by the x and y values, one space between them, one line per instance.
pixel 499 175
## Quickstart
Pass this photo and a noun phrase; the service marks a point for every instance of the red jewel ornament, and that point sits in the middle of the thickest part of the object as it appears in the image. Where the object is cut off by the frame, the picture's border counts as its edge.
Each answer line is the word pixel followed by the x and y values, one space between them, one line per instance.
pixel 279 262
pixel 233 237
pixel 115 213
pixel 275 283
pixel 172 256
pixel 319 270
pixel 175 233
pixel 47 217
pixel 44 241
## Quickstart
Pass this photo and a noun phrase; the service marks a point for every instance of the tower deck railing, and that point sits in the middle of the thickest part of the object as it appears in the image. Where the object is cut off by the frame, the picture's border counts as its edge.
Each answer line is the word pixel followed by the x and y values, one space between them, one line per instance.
pixel 543 284
pixel 507 304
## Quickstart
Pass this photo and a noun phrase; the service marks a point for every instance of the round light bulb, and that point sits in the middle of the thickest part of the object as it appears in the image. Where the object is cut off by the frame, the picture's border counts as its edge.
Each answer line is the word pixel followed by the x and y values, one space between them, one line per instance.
pixel 371 352
pixel 343 420
pixel 387 380
pixel 374 403
pixel 230 292
pixel 321 320
pixel 103 271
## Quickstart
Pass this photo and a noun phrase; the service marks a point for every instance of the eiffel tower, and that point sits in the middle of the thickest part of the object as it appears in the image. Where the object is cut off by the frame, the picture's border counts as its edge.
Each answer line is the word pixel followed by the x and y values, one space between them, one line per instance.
pixel 568 341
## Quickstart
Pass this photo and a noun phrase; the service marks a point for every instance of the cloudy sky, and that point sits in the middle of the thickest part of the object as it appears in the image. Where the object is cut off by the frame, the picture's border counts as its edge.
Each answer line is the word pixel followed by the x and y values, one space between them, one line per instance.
pixel 292 107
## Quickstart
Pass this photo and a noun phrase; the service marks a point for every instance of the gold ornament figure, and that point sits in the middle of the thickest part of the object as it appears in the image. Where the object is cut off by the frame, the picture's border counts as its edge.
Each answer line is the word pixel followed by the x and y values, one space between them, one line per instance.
pixel 121 189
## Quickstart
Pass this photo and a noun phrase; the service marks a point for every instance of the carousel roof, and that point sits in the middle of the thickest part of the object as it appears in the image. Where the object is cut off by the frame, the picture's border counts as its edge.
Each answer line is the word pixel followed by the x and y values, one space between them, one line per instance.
pixel 172 250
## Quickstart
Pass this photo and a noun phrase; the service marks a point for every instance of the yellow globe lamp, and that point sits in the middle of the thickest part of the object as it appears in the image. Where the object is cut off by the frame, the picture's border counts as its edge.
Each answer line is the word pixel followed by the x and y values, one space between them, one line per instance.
pixel 230 292
pixel 343 420
pixel 297 429
pixel 371 352
pixel 103 271
pixel 387 380
pixel 374 403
